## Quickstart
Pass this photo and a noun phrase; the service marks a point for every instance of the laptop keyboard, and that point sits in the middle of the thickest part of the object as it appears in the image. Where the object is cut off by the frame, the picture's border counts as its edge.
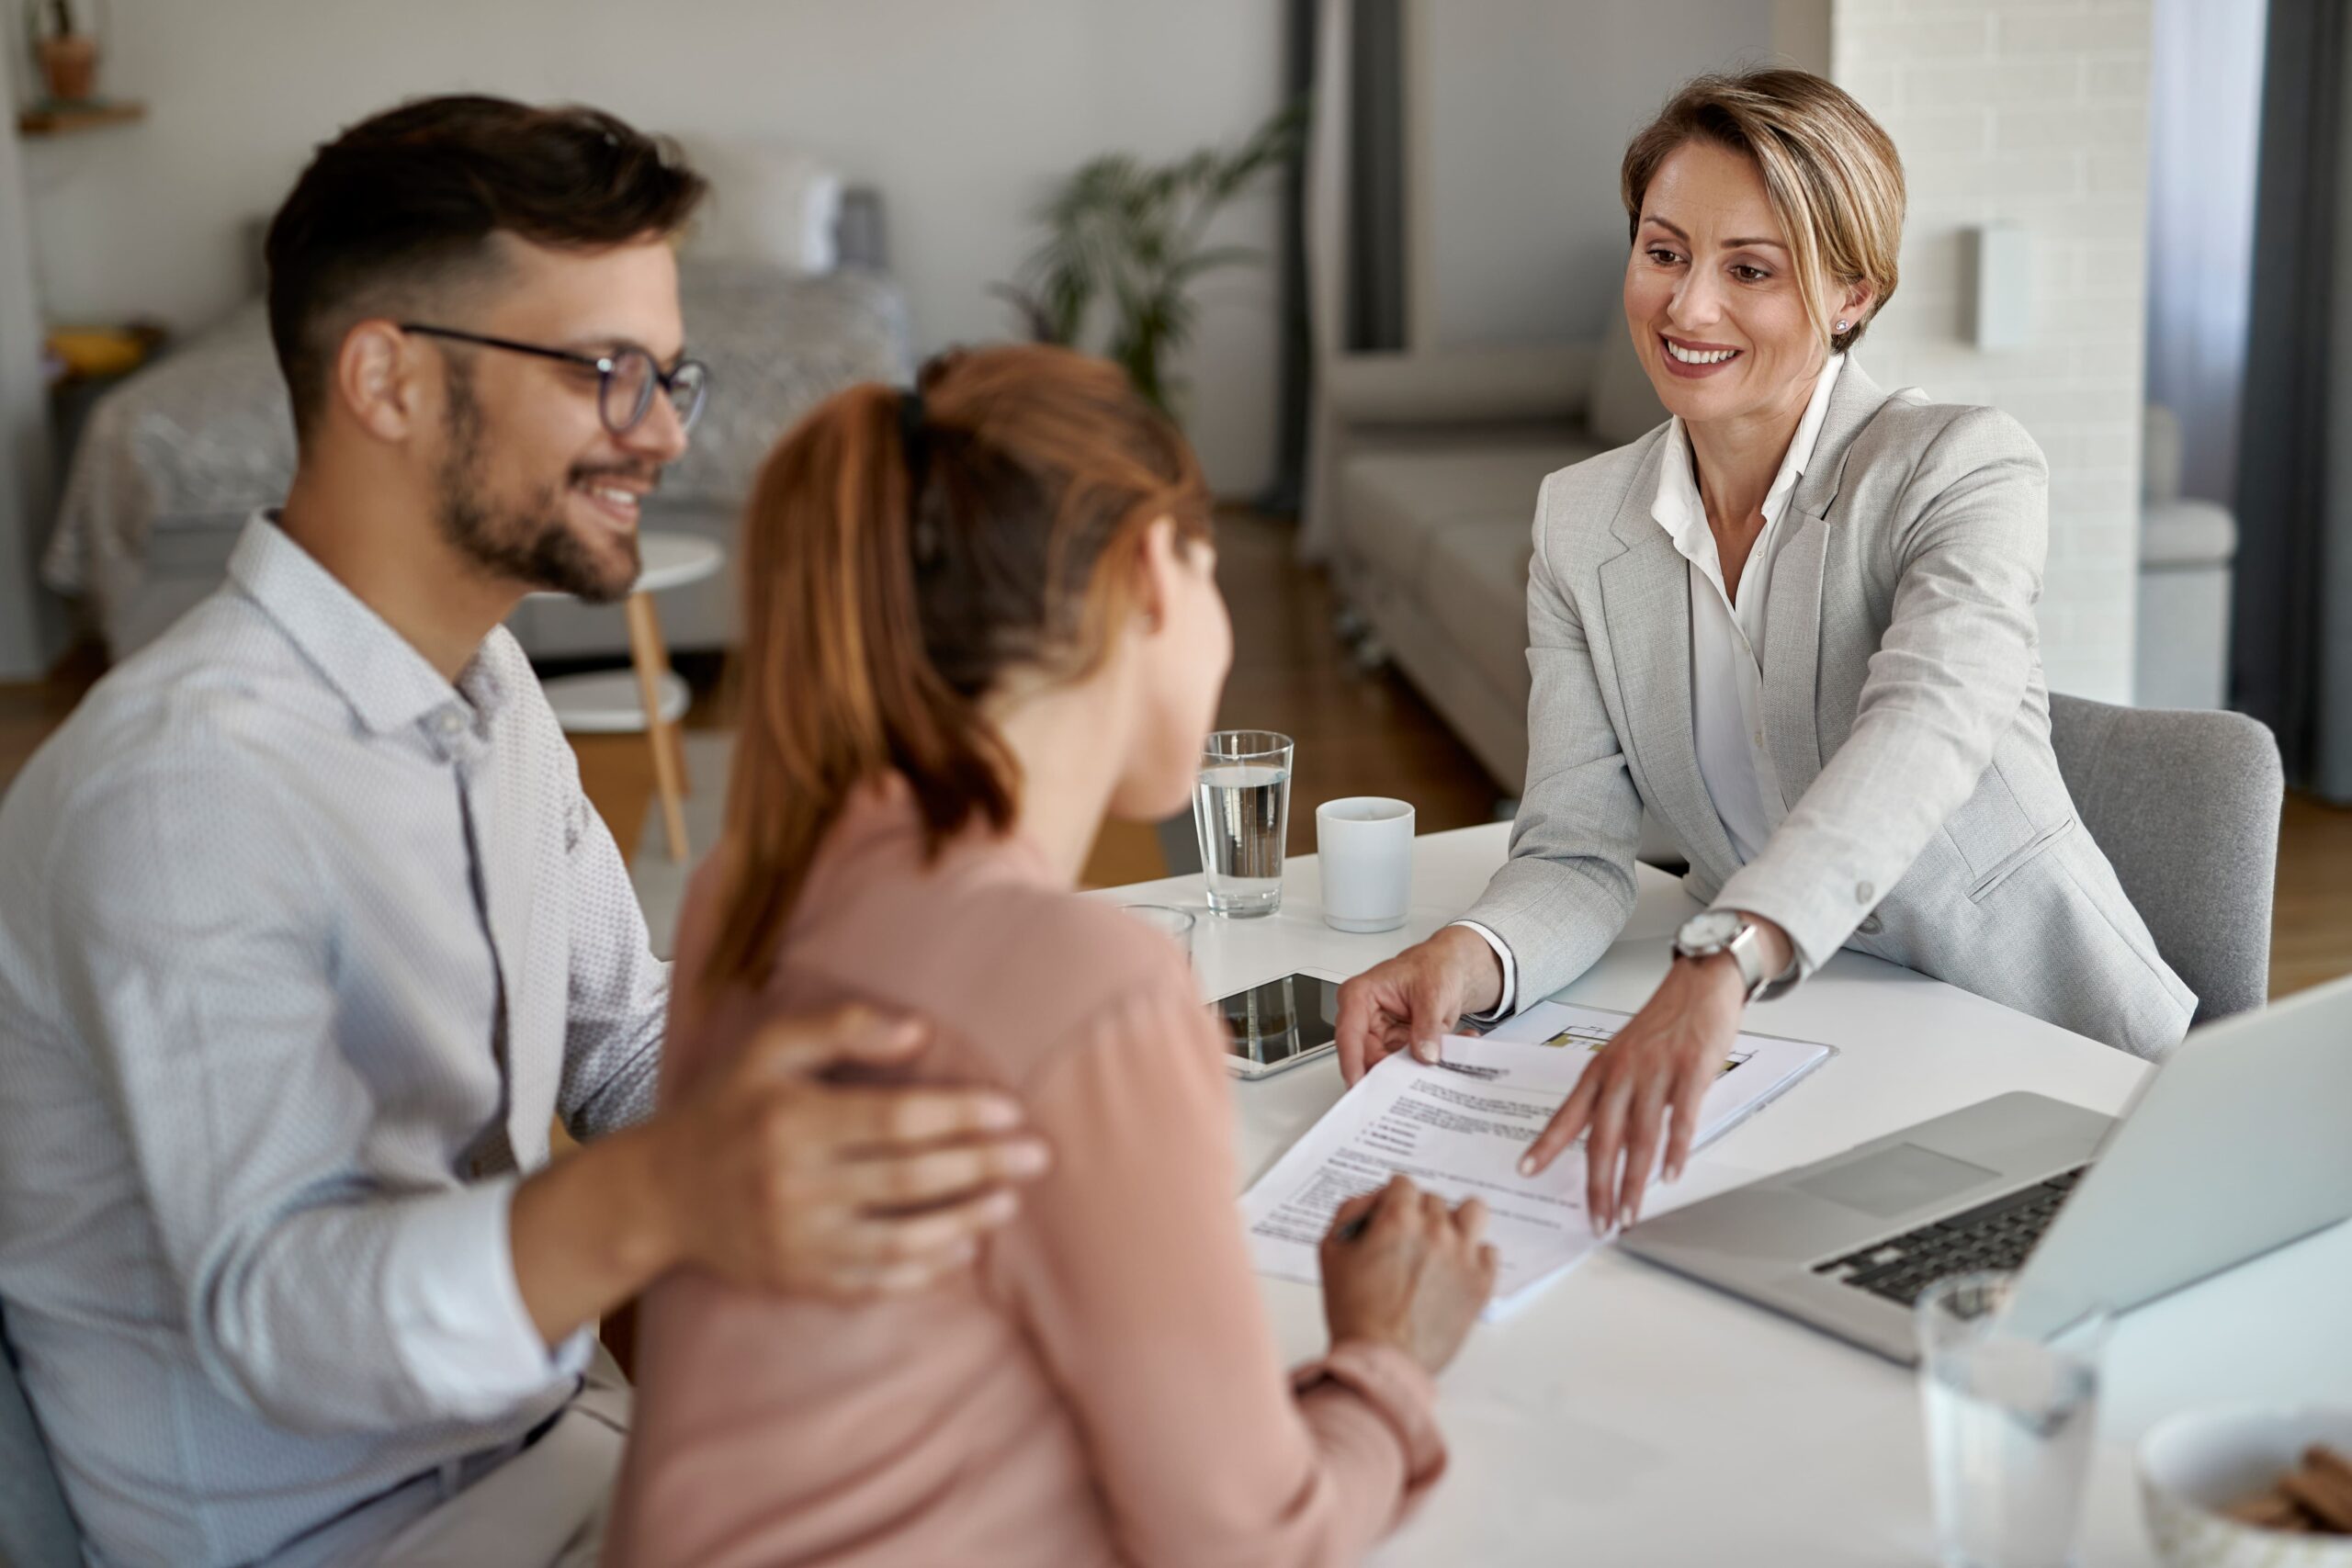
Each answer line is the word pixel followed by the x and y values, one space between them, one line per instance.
pixel 1992 1235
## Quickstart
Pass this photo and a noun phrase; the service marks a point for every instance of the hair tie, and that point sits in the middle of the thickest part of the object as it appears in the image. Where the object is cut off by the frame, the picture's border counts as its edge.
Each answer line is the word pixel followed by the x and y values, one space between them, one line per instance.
pixel 914 436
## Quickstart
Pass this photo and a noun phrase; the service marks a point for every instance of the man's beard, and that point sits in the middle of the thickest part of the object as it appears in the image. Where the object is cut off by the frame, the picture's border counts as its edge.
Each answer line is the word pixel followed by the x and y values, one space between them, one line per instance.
pixel 531 543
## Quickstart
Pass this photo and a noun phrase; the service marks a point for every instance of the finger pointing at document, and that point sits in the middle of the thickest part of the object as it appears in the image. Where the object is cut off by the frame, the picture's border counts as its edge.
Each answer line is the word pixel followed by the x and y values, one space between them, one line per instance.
pixel 1646 1085
pixel 1415 999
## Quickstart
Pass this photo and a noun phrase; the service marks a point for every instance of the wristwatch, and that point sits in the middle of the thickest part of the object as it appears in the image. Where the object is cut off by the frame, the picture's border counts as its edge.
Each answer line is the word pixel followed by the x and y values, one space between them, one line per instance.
pixel 1711 931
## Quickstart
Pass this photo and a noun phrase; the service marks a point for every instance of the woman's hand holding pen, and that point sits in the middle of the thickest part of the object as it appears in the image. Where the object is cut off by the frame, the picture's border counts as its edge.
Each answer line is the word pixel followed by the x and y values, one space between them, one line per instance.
pixel 1401 1267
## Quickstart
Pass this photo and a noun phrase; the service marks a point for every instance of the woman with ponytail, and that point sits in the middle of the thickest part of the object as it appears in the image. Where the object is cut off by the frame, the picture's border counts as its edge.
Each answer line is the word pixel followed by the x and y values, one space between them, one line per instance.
pixel 981 618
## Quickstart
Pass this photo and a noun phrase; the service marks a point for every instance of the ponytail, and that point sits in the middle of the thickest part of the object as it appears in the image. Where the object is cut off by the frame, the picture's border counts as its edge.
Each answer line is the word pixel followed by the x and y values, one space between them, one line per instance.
pixel 837 688
pixel 900 550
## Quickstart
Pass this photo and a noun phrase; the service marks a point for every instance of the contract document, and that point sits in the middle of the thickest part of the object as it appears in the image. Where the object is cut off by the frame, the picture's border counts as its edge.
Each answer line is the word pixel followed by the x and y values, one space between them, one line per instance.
pixel 1458 1129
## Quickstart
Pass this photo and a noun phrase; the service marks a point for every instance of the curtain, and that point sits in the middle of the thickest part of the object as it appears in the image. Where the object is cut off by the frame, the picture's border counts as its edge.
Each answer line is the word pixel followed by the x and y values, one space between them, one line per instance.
pixel 2291 653
pixel 1373 103
pixel 1377 178
pixel 2208 101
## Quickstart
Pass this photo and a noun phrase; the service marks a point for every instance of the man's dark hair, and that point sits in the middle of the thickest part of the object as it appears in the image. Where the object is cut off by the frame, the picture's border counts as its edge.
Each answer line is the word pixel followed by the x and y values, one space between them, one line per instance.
pixel 408 199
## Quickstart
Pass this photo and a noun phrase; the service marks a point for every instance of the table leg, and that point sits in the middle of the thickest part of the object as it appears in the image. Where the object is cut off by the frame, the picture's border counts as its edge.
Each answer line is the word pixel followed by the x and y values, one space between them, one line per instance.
pixel 652 661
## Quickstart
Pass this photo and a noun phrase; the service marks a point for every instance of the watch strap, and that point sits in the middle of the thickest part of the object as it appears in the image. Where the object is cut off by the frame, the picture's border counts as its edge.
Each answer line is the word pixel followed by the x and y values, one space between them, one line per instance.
pixel 1756 985
pixel 1742 949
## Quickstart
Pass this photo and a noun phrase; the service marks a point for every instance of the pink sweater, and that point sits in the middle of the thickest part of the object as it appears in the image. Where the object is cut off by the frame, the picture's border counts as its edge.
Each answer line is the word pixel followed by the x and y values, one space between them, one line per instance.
pixel 1101 1387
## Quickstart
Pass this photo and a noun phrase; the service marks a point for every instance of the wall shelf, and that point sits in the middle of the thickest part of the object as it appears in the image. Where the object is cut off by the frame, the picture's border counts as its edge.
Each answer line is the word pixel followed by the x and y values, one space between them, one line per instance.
pixel 62 118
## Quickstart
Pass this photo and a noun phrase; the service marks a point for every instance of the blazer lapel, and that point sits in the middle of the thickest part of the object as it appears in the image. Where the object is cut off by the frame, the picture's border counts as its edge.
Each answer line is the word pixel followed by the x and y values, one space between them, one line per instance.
pixel 1645 594
pixel 1793 625
pixel 1792 656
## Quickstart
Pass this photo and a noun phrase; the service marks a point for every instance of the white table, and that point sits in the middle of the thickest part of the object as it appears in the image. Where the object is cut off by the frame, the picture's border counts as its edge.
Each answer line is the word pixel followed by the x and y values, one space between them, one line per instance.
pixel 650 695
pixel 1632 1417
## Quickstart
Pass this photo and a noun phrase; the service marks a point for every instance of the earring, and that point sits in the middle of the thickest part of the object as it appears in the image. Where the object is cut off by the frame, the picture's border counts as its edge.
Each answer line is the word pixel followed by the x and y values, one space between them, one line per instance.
pixel 1841 326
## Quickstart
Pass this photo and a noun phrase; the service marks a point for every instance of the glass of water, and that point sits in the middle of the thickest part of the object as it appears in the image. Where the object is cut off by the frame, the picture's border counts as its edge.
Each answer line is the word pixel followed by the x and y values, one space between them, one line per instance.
pixel 1241 811
pixel 1170 921
pixel 2011 1420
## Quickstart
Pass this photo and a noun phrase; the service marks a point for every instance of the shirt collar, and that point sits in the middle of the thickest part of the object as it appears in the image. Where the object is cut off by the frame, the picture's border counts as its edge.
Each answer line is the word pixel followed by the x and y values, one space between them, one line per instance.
pixel 388 684
pixel 1679 507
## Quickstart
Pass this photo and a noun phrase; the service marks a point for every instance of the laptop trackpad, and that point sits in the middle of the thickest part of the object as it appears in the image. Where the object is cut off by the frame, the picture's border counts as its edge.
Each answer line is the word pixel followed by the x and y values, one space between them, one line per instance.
pixel 1895 1180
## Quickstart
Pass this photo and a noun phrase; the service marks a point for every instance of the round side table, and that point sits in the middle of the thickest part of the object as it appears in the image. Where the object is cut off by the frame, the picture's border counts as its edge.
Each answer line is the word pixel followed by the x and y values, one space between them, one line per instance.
pixel 649 697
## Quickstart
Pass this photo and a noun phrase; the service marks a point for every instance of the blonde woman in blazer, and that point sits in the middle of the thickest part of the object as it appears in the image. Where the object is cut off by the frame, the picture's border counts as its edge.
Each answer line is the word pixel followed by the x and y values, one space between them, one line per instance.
pixel 1797 622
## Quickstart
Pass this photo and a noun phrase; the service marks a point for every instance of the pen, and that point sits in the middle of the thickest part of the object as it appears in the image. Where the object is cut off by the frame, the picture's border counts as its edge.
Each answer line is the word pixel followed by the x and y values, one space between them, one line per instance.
pixel 1353 1228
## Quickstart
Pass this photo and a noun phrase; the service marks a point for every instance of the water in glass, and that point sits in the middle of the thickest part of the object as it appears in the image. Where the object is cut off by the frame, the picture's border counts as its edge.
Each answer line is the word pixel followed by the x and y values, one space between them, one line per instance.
pixel 2009 1424
pixel 1241 811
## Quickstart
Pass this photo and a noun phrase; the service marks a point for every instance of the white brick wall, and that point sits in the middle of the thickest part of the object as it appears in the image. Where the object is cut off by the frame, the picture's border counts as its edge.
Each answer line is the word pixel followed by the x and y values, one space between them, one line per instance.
pixel 2031 112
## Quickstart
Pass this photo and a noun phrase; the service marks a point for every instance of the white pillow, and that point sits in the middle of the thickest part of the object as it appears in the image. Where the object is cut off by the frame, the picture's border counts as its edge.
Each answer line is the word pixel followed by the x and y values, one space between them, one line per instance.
pixel 768 203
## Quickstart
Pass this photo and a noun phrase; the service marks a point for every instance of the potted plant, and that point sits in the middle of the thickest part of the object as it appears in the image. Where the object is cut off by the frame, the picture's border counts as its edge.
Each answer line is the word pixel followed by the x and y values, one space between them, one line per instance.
pixel 1132 238
pixel 65 47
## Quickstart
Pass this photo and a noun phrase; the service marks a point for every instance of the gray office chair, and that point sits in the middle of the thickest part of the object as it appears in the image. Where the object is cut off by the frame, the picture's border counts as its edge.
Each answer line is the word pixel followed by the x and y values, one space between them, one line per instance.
pixel 36 1530
pixel 2184 805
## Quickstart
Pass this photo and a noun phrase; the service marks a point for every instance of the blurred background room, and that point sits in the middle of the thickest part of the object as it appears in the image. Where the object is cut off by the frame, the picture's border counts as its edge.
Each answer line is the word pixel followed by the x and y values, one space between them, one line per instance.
pixel 1368 252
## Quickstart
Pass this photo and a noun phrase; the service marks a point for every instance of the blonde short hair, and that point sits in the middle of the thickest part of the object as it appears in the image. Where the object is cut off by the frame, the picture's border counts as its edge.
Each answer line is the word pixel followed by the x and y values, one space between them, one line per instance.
pixel 1830 172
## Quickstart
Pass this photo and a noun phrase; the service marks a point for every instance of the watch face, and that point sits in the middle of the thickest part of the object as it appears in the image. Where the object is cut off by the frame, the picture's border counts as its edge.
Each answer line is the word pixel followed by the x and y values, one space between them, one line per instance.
pixel 1710 932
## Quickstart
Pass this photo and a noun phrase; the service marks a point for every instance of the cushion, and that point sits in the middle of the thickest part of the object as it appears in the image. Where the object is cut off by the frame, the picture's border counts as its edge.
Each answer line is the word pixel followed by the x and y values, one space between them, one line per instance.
pixel 1390 501
pixel 768 203
pixel 2182 534
pixel 1625 405
pixel 1474 587
pixel 1501 382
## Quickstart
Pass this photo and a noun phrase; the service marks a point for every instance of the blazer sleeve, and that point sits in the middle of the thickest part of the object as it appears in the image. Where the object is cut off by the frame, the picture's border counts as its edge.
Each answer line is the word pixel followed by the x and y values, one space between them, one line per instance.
pixel 1947 680
pixel 1568 888
pixel 1131 1270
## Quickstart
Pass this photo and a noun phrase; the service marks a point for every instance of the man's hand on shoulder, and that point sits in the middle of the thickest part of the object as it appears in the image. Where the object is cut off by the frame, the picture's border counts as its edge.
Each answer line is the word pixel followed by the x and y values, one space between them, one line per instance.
pixel 778 1180
pixel 769 1176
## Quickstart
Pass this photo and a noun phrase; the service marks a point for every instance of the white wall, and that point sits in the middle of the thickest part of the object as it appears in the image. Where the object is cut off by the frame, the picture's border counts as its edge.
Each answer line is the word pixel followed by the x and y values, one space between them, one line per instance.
pixel 1529 104
pixel 31 625
pixel 964 113
pixel 2033 112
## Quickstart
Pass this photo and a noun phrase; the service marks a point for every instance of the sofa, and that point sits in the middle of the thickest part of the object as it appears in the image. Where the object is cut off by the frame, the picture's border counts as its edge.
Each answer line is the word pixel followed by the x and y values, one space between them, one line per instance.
pixel 1427 501
pixel 173 461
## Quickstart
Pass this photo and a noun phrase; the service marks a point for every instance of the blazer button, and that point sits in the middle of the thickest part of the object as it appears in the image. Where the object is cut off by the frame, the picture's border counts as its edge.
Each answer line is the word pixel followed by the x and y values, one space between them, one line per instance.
pixel 1870 926
pixel 1864 892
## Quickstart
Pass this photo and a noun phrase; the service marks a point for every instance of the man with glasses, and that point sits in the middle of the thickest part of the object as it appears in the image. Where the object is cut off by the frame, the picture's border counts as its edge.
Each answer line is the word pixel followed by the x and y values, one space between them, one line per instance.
pixel 307 932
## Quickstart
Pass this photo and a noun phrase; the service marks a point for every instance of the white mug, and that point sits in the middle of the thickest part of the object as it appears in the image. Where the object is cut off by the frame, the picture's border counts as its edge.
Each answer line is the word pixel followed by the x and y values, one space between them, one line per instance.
pixel 1365 844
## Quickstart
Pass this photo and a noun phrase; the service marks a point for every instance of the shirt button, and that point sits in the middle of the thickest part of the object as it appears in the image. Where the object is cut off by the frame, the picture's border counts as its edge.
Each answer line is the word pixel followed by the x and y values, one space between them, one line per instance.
pixel 1870 926
pixel 448 721
pixel 1864 892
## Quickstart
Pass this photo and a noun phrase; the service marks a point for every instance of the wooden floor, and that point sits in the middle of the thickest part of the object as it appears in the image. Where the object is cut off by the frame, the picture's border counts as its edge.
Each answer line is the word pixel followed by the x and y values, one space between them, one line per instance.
pixel 2311 918
pixel 1357 733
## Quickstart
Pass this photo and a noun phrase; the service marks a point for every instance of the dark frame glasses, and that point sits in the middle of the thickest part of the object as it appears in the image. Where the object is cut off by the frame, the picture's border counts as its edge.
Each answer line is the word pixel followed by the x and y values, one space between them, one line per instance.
pixel 631 376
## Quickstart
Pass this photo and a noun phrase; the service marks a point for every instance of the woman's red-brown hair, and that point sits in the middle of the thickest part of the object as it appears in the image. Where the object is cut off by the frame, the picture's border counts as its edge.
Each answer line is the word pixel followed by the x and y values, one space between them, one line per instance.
pixel 899 554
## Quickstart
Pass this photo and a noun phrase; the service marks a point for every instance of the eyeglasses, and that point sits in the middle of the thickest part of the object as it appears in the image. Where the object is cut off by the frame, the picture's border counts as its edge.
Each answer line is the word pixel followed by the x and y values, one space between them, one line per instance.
pixel 626 380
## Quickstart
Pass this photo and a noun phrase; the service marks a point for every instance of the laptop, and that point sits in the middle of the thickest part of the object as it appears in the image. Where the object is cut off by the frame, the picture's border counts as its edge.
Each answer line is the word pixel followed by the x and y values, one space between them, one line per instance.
pixel 2233 1146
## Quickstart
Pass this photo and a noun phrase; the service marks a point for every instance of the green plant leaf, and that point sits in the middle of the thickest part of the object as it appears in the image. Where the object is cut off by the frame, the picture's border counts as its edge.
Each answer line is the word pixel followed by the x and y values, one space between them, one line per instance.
pixel 1131 237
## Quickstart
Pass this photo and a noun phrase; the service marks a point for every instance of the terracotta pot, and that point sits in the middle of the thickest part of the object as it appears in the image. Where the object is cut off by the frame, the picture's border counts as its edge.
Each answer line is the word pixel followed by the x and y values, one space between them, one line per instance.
pixel 69 63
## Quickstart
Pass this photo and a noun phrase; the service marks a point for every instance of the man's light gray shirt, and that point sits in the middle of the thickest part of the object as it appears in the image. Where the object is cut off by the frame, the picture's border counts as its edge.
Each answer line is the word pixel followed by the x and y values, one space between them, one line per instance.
pixel 301 948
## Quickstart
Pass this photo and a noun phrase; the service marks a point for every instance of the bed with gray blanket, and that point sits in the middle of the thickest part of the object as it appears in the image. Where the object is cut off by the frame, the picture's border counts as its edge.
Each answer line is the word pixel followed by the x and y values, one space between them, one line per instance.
pixel 172 462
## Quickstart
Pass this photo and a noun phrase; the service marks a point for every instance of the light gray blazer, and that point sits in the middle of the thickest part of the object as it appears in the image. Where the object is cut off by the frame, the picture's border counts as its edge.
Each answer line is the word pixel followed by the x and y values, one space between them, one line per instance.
pixel 1904 710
